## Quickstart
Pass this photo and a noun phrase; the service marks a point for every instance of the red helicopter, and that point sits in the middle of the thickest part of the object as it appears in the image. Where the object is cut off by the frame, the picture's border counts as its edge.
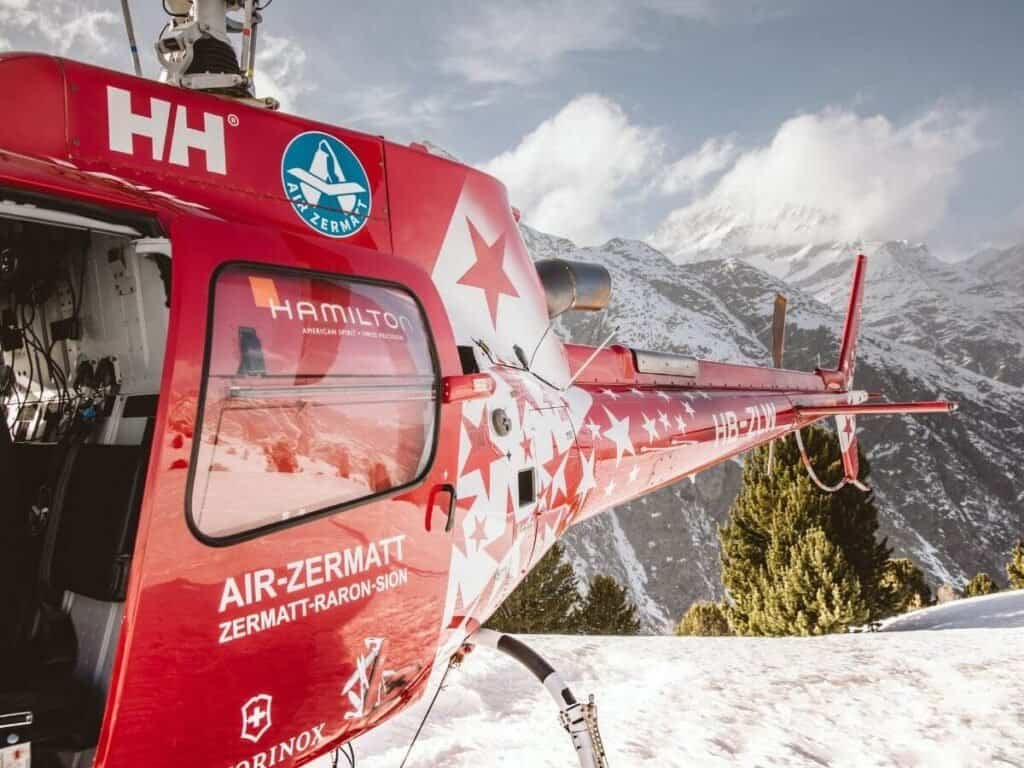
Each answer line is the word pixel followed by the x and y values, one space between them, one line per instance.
pixel 287 420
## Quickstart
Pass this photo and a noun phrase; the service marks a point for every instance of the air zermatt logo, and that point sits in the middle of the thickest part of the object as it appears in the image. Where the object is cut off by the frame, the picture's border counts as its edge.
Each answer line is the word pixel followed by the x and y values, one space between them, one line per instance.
pixel 326 184
pixel 256 717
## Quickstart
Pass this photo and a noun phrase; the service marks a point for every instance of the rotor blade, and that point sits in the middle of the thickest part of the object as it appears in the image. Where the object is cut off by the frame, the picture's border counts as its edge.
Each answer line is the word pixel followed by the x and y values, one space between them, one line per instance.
pixel 778 329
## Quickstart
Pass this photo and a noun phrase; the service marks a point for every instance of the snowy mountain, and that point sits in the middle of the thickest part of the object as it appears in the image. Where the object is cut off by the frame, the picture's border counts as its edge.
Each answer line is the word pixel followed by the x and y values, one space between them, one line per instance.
pixel 910 698
pixel 947 487
pixel 971 312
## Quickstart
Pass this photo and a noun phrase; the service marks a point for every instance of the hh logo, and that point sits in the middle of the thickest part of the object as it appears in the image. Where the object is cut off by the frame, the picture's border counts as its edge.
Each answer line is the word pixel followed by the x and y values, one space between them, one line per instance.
pixel 125 125
pixel 256 717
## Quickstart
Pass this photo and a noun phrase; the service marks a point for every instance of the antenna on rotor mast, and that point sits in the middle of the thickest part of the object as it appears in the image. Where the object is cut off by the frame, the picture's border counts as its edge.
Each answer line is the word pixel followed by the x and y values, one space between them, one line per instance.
pixel 196 52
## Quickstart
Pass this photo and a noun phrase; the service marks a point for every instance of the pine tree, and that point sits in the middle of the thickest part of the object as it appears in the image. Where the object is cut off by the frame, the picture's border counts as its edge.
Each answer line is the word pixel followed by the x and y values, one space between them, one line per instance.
pixel 607 610
pixel 784 535
pixel 812 591
pixel 1015 568
pixel 905 586
pixel 546 602
pixel 980 584
pixel 704 620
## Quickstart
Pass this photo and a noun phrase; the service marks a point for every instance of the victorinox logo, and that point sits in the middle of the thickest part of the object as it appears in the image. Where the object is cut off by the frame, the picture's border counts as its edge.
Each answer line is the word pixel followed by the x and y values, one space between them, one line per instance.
pixel 256 717
pixel 125 125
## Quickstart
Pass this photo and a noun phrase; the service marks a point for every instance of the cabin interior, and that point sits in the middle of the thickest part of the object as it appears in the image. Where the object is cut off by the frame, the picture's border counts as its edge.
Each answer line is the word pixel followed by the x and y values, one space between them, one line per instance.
pixel 83 326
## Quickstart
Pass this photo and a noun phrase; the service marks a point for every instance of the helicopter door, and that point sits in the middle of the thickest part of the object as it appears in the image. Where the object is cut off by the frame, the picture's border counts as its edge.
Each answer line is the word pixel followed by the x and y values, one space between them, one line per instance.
pixel 287 593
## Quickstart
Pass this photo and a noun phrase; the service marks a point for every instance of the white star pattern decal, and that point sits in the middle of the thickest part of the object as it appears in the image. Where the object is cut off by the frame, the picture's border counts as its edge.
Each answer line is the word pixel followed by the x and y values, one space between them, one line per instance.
pixel 680 424
pixel 663 418
pixel 689 409
pixel 618 433
pixel 595 430
pixel 558 480
pixel 634 473
pixel 610 488
pixel 610 393
pixel 650 428
pixel 587 482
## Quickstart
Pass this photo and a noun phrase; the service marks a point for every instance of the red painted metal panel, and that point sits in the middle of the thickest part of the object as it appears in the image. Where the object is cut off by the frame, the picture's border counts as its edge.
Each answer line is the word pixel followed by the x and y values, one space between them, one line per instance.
pixel 34 117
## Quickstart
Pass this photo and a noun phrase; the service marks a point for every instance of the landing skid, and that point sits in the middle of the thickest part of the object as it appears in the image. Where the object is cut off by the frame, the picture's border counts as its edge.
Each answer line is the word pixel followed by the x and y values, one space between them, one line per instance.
pixel 578 719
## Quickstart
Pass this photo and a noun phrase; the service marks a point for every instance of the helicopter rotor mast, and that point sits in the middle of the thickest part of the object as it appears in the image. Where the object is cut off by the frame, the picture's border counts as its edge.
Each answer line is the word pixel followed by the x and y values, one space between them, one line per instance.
pixel 196 52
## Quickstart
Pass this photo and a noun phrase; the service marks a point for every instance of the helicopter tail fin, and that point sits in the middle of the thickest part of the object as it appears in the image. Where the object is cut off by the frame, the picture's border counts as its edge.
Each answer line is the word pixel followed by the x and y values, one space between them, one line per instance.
pixel 848 347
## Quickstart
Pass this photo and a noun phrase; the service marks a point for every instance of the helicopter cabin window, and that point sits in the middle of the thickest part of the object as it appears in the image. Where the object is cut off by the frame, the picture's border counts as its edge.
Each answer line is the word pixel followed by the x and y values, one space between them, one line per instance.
pixel 320 392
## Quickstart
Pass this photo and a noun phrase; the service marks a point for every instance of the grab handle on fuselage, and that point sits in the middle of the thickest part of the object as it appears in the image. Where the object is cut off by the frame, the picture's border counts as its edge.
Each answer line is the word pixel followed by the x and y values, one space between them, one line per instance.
pixel 432 500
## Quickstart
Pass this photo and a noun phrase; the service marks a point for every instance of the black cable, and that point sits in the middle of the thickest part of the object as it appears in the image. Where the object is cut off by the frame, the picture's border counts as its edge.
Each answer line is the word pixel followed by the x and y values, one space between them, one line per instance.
pixel 28 356
pixel 426 714
pixel 349 753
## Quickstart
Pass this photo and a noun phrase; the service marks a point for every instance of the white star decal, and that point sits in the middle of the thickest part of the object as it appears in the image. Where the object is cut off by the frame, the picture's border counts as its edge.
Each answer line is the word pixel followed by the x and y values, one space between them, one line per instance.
pixel 651 428
pixel 594 430
pixel 689 409
pixel 634 473
pixel 663 396
pixel 637 392
pixel 618 433
pixel 587 482
pixel 610 393
pixel 663 418
pixel 558 480
pixel 680 424
pixel 610 488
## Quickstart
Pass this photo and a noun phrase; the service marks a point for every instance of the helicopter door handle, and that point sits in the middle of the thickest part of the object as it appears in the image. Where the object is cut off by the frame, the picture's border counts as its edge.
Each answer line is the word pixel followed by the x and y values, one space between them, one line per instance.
pixel 449 490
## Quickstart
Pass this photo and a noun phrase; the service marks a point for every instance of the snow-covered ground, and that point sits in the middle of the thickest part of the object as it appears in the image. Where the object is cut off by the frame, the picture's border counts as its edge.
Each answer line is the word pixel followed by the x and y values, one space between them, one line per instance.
pixel 914 698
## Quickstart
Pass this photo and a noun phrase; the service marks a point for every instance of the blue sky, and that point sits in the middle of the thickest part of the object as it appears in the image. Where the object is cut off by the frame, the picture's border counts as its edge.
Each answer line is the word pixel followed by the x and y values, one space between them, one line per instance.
pixel 609 118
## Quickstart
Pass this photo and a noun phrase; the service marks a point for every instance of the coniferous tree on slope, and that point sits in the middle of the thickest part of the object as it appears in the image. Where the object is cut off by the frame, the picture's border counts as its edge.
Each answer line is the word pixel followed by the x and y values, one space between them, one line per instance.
pixel 796 560
pixel 980 584
pixel 548 601
pixel 904 584
pixel 808 589
pixel 607 610
pixel 545 602
pixel 1015 568
pixel 704 620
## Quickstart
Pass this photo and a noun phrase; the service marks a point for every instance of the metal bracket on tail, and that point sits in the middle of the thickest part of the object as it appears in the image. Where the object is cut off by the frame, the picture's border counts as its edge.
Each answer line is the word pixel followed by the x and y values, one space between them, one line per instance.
pixel 579 719
pixel 814 475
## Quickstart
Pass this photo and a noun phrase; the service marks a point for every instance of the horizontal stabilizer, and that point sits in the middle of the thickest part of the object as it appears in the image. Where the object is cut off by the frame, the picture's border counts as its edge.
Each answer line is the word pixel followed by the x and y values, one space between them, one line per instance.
pixel 876 409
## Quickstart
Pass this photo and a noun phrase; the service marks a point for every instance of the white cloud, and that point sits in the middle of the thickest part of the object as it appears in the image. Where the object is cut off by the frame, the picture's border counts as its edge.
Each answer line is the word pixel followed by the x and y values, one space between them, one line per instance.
pixel 520 41
pixel 62 27
pixel 690 172
pixel 570 176
pixel 723 11
pixel 833 176
pixel 397 107
pixel 281 71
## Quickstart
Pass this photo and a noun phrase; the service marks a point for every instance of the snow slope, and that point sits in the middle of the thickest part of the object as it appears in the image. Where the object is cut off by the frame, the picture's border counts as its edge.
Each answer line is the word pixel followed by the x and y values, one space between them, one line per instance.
pixel 912 698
